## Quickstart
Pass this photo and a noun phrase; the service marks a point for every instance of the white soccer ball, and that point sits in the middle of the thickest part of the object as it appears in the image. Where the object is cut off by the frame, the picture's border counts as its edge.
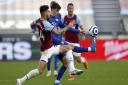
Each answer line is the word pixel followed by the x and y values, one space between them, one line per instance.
pixel 93 31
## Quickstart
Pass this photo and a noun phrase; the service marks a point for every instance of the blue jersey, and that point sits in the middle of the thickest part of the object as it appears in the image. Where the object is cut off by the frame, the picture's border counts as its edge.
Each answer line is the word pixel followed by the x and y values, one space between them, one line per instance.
pixel 57 22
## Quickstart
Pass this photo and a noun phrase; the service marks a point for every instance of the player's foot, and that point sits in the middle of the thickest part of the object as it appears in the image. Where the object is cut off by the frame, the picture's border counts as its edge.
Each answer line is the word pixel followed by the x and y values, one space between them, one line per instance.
pixel 18 82
pixel 71 78
pixel 76 72
pixel 57 83
pixel 48 74
pixel 93 45
pixel 55 73
pixel 85 64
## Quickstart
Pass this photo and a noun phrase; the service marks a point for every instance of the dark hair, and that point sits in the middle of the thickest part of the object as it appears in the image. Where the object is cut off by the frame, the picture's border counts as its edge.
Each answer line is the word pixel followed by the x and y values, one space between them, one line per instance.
pixel 70 4
pixel 54 5
pixel 43 8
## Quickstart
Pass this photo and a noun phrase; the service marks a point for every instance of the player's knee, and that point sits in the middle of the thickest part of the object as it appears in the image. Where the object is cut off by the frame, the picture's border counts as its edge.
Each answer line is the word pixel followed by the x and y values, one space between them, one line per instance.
pixel 62 49
pixel 42 66
pixel 68 47
pixel 65 48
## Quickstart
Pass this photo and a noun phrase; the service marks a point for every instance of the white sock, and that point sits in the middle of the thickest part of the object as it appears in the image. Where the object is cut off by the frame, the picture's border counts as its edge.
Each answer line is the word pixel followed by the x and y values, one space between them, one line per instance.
pixel 31 74
pixel 89 48
pixel 71 66
pixel 49 71
pixel 57 81
pixel 82 60
pixel 70 59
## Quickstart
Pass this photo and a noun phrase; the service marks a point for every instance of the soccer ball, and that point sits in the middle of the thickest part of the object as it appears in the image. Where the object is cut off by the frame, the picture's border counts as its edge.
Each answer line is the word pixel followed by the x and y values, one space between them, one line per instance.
pixel 93 31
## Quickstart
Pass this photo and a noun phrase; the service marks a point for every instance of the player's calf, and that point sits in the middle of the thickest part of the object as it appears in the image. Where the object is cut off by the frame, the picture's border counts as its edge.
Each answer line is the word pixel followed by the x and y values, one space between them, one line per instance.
pixel 82 60
pixel 32 73
pixel 41 66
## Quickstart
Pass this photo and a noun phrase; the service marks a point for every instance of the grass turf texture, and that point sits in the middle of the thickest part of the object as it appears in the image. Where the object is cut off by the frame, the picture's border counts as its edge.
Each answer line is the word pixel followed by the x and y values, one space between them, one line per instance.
pixel 99 73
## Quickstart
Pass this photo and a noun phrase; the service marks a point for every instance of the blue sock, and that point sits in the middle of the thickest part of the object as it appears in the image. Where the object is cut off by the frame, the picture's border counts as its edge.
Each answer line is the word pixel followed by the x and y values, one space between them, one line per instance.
pixel 61 72
pixel 49 64
pixel 56 62
pixel 80 49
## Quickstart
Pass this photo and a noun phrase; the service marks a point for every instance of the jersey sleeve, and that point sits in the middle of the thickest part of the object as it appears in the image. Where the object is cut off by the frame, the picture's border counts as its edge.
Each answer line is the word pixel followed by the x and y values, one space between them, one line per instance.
pixel 62 18
pixel 61 24
pixel 78 21
pixel 33 26
pixel 48 26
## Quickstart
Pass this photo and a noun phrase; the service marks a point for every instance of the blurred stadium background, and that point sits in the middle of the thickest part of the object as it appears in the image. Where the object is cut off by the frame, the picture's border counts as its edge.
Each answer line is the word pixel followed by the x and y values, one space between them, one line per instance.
pixel 18 44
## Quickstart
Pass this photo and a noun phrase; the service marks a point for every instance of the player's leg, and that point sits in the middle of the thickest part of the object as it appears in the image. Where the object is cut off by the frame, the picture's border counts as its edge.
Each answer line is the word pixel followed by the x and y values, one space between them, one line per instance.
pixel 60 75
pixel 56 63
pixel 80 49
pixel 71 68
pixel 40 68
pixel 69 56
pixel 49 67
pixel 32 73
pixel 70 60
pixel 63 48
pixel 82 60
pixel 78 57
pixel 62 69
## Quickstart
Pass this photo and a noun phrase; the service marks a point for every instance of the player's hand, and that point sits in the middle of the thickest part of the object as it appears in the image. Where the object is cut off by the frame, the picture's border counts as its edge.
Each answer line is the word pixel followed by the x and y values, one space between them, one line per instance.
pixel 82 31
pixel 71 24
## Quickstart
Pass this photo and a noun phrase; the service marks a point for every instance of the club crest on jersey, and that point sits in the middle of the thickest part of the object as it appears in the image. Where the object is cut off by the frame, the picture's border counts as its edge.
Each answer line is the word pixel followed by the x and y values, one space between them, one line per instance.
pixel 53 23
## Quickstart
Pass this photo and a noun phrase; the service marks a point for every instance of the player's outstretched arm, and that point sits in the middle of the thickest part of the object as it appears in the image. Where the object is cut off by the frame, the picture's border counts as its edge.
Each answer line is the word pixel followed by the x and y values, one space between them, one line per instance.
pixel 59 31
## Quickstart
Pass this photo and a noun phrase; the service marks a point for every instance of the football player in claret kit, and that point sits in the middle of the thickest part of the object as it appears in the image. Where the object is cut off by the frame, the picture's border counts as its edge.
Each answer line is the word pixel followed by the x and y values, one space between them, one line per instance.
pixel 47 49
pixel 73 37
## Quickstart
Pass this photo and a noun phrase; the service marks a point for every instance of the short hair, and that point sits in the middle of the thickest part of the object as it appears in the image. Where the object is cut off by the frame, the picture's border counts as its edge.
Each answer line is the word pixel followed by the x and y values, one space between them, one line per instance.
pixel 70 4
pixel 43 8
pixel 54 5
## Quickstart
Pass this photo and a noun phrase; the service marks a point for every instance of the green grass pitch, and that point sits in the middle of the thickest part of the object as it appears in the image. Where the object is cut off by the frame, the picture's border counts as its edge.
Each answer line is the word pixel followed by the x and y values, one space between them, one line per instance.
pixel 99 73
